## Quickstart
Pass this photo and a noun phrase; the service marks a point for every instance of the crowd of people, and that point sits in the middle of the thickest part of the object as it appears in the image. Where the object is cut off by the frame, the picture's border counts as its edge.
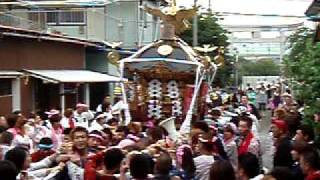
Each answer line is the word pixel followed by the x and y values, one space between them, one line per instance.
pixel 224 145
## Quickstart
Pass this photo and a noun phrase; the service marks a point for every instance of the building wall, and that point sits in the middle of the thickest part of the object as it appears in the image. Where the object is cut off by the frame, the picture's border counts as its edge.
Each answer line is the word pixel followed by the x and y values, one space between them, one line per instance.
pixel 96 61
pixel 6 104
pixel 73 31
pixel 94 29
pixel 130 24
pixel 96 24
pixel 121 21
pixel 17 54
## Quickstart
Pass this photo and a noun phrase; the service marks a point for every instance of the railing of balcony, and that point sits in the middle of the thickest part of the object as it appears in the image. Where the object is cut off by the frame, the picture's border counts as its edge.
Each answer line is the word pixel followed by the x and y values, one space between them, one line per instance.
pixel 90 23
pixel 14 20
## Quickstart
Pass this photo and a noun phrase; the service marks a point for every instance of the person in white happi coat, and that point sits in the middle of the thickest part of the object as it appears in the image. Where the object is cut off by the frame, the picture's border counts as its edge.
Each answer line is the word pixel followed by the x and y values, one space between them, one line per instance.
pixel 54 129
pixel 82 115
pixel 119 110
pixel 100 122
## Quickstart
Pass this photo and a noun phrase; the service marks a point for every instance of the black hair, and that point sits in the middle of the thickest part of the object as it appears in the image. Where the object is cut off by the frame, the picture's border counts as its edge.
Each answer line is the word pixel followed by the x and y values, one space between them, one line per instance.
pixel 250 164
pixel 155 133
pixel 8 170
pixel 55 118
pixel 281 173
pixel 220 149
pixel 113 158
pixel 124 129
pixel 78 129
pixel 163 164
pixel 222 169
pixel 215 112
pixel 12 119
pixel 247 119
pixel 312 159
pixel 188 163
pixel 32 115
pixel 17 112
pixel 67 131
pixel 209 145
pixel 301 146
pixel 6 137
pixel 2 129
pixel 108 132
pixel 97 114
pixel 96 132
pixel 244 95
pixel 307 130
pixel 140 166
pixel 201 125
pixel 105 105
pixel 46 141
pixel 17 156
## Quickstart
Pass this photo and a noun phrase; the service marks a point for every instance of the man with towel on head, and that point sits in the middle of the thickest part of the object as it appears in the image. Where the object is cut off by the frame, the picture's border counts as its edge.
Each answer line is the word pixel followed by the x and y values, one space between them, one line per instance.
pixel 82 115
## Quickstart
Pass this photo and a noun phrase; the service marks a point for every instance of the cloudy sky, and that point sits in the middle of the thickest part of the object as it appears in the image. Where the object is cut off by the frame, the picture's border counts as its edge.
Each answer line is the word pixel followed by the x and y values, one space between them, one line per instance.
pixel 276 7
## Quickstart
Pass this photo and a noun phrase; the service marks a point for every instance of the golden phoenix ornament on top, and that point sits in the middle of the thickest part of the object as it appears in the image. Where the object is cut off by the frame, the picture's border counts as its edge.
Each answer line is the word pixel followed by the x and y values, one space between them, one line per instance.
pixel 174 15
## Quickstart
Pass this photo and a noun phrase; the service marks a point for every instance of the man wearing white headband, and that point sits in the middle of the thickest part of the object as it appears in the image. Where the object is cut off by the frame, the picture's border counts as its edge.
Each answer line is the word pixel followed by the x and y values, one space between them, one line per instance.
pixel 100 122
pixel 82 115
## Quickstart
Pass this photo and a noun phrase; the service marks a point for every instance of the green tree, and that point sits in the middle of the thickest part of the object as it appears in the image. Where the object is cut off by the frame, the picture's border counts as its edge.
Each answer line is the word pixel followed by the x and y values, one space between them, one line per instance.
pixel 265 67
pixel 210 32
pixel 302 68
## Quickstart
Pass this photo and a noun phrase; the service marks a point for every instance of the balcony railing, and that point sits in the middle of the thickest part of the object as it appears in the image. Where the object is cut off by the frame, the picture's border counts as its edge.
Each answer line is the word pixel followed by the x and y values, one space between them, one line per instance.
pixel 93 24
pixel 8 19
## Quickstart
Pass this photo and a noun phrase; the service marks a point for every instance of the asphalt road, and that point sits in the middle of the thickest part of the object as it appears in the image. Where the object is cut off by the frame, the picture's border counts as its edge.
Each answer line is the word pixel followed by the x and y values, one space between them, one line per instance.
pixel 266 140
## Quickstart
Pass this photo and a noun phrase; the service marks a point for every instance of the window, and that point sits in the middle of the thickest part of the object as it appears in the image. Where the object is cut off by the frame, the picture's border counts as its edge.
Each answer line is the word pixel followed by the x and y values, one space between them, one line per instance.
pixel 66 17
pixel 74 17
pixel 5 87
pixel 52 17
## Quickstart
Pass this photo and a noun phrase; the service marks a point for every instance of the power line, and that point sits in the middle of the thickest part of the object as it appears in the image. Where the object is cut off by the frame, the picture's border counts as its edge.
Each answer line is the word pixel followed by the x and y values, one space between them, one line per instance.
pixel 254 14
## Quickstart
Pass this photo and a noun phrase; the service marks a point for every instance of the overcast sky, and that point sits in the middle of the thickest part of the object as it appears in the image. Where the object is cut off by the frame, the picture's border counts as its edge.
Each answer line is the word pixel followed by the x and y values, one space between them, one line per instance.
pixel 279 7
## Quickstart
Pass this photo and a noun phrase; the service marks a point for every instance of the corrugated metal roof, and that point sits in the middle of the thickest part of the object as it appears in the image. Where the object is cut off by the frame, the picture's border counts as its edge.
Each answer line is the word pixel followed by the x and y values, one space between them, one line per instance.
pixel 24 33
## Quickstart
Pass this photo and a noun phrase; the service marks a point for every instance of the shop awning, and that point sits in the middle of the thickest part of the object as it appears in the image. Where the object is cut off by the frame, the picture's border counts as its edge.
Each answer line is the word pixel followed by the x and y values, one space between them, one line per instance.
pixel 71 76
pixel 10 74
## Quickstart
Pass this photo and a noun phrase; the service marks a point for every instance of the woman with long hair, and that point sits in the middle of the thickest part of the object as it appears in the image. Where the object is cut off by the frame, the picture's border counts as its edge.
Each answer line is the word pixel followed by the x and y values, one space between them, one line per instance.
pixel 185 167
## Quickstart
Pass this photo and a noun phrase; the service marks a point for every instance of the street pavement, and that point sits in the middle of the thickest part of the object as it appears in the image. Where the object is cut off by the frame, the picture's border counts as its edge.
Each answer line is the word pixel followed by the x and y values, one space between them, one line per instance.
pixel 266 140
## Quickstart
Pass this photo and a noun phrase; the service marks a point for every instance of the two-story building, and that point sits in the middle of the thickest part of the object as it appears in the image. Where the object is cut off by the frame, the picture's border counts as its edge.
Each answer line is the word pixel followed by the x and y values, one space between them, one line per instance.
pixel 111 20
pixel 40 71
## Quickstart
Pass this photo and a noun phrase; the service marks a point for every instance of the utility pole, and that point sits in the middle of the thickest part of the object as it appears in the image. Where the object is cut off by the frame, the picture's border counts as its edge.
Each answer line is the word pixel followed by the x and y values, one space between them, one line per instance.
pixel 195 27
pixel 209 8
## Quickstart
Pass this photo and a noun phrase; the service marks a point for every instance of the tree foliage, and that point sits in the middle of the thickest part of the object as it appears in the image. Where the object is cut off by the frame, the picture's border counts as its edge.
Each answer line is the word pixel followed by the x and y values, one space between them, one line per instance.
pixel 210 32
pixel 302 69
pixel 264 67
